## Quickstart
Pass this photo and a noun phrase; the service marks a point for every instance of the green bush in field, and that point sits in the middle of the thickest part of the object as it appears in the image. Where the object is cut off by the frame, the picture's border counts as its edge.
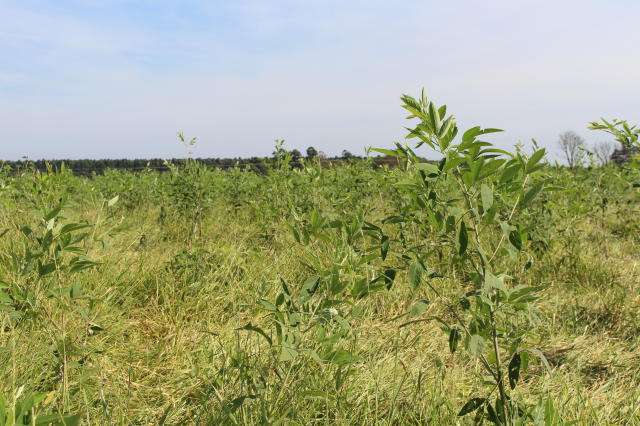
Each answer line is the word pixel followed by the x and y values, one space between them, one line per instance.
pixel 467 199
pixel 188 192
pixel 42 285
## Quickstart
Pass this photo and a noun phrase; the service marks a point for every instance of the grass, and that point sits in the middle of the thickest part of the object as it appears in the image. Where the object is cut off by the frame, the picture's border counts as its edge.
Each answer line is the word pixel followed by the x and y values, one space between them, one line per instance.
pixel 162 342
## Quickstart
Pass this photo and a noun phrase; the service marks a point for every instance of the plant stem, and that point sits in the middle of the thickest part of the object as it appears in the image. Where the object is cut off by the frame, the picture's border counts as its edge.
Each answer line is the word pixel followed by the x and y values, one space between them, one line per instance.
pixel 503 394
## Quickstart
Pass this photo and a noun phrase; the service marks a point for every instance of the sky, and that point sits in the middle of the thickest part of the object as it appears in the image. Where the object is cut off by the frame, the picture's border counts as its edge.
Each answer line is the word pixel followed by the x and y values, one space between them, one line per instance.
pixel 119 78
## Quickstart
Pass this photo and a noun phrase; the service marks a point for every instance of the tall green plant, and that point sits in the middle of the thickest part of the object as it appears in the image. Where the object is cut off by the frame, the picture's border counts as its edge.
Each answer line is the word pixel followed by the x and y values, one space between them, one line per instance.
pixel 43 268
pixel 188 192
pixel 470 201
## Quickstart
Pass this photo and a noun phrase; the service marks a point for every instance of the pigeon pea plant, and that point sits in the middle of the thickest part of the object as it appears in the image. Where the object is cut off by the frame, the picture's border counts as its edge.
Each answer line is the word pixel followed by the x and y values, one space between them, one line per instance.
pixel 311 321
pixel 623 133
pixel 470 200
pixel 188 190
pixel 41 283
pixel 50 253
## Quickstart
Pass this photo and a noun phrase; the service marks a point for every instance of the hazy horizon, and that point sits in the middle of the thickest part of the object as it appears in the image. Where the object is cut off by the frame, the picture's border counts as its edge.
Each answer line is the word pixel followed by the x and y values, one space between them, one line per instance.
pixel 116 79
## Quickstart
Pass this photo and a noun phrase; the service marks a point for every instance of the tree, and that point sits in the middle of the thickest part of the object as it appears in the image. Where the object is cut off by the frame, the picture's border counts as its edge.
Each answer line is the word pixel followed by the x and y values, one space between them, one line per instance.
pixel 311 153
pixel 570 143
pixel 295 155
pixel 603 151
pixel 346 154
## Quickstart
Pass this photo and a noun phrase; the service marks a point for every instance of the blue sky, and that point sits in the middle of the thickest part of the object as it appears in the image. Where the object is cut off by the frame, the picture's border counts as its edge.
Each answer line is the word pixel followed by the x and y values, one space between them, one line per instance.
pixel 118 78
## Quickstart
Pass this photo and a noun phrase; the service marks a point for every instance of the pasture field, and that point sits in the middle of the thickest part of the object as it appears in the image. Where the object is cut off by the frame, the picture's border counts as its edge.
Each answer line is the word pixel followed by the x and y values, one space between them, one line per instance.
pixel 489 287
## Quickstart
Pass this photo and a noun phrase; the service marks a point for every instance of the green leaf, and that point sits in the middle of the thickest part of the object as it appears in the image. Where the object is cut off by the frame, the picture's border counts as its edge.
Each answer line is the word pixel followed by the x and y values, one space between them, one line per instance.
pixel 415 274
pixel 390 153
pixel 389 277
pixel 454 339
pixel 406 183
pixel 250 327
pixel 81 264
pixel 435 117
pixel 476 345
pixel 268 305
pixel 540 356
pixel 366 259
pixel 450 163
pixel 524 294
pixel 475 167
pixel 465 303
pixel 531 194
pixel 491 130
pixel 384 280
pixel 343 357
pixel 492 416
pixel 534 159
pixel 46 269
pixel 491 167
pixel 514 370
pixel 393 219
pixel 429 168
pixel 470 135
pixel 509 173
pixel 496 151
pixel 76 291
pixel 287 353
pixel 486 193
pixel 384 247
pixel 239 401
pixel 492 282
pixel 515 239
pixel 462 239
pixel 442 111
pixel 294 232
pixel 70 227
pixel 309 287
pixel 360 288
pixel 444 129
pixel 419 307
pixel 471 405
pixel 53 213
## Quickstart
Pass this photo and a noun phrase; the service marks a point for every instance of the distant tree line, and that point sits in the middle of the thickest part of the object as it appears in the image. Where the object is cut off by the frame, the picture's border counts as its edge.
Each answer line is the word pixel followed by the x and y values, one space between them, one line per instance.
pixel 259 164
pixel 89 166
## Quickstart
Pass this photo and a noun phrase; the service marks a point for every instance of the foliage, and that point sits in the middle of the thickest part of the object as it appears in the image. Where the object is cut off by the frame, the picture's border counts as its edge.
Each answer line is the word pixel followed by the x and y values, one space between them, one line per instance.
pixel 470 196
pixel 623 133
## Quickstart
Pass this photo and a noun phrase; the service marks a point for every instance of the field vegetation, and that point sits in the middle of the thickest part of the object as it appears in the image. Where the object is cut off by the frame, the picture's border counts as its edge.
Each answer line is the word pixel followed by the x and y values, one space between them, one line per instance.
pixel 489 286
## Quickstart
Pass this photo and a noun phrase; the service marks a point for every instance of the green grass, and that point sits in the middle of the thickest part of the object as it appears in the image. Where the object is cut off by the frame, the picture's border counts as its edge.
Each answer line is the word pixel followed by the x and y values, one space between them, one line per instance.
pixel 161 340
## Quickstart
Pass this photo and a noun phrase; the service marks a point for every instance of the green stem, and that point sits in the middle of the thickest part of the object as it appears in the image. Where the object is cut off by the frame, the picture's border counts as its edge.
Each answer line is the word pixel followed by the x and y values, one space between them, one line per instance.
pixel 503 394
pixel 513 210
